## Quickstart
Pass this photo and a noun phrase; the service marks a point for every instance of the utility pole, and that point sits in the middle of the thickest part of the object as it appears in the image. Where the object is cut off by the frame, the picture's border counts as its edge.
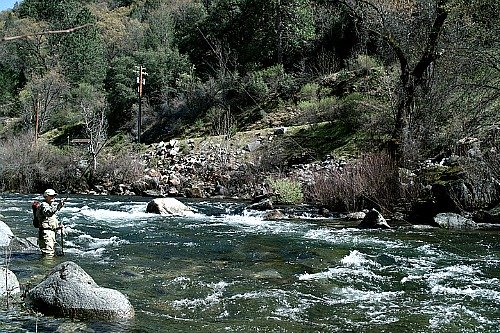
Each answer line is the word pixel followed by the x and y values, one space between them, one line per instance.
pixel 37 112
pixel 141 81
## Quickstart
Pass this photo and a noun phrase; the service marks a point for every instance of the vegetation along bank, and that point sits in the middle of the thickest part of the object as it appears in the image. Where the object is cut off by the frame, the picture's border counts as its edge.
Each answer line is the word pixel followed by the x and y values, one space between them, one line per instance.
pixel 345 105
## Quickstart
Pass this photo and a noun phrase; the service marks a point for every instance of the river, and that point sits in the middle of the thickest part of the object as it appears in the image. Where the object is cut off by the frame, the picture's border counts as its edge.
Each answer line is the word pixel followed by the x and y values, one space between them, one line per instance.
pixel 228 270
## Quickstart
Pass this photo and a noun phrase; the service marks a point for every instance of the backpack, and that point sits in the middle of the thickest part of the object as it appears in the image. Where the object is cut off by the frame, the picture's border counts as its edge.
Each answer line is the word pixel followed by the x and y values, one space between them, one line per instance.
pixel 36 216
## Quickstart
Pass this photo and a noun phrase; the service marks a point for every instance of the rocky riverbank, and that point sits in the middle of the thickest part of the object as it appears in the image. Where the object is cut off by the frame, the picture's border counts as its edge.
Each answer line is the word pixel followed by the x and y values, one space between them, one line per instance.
pixel 234 167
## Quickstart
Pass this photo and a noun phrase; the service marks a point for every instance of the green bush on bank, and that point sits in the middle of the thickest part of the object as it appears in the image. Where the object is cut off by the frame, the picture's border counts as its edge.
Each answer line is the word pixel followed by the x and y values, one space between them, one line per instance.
pixel 286 191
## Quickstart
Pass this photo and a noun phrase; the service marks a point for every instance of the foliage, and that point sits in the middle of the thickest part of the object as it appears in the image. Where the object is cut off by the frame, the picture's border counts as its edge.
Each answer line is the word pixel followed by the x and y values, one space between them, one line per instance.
pixel 286 190
pixel 422 74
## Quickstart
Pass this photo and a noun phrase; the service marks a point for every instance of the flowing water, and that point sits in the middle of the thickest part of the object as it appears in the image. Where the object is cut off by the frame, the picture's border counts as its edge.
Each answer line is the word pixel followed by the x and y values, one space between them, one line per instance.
pixel 228 270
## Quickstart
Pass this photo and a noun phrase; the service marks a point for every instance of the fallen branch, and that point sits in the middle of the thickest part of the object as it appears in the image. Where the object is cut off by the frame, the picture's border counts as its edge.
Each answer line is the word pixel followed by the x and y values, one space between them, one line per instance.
pixel 50 32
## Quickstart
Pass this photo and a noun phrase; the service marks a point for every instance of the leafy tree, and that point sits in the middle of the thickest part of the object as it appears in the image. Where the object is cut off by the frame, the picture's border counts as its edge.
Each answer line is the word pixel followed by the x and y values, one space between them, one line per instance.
pixel 121 34
pixel 258 33
pixel 121 91
pixel 82 51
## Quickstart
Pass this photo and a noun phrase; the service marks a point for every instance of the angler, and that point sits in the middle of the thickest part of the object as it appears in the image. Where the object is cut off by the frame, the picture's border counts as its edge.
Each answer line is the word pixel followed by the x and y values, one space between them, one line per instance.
pixel 46 221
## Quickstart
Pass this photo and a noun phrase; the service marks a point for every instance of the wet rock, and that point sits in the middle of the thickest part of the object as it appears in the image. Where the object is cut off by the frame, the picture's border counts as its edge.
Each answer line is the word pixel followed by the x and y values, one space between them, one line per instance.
pixel 374 220
pixel 274 214
pixel 454 221
pixel 488 216
pixel 10 284
pixel 325 212
pixel 356 216
pixel 262 205
pixel 68 291
pixel 5 234
pixel 168 207
pixel 29 245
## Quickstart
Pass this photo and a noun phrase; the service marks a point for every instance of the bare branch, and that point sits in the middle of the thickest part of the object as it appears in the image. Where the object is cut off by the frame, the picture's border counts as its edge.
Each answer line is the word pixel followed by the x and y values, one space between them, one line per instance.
pixel 49 32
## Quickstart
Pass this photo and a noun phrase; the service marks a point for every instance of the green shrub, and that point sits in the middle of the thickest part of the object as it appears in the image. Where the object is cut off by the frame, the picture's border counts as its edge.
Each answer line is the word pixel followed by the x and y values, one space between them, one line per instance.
pixel 286 191
pixel 272 81
pixel 362 62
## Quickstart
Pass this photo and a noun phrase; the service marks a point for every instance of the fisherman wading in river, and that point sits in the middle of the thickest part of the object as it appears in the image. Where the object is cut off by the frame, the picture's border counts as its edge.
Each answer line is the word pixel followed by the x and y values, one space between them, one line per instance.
pixel 47 222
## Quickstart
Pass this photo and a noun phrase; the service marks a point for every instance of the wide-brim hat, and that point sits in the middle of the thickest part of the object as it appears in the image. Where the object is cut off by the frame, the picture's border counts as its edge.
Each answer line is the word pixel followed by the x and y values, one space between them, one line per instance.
pixel 49 192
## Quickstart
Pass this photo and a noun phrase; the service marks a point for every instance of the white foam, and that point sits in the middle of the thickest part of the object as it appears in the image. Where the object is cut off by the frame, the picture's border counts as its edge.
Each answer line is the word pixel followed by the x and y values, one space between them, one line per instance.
pixel 96 243
pixel 469 291
pixel 113 215
pixel 350 295
pixel 344 274
pixel 357 259
pixel 211 299
pixel 256 224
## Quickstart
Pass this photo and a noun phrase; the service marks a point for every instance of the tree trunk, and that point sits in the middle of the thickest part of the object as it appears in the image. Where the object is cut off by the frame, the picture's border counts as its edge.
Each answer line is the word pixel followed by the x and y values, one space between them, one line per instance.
pixel 410 80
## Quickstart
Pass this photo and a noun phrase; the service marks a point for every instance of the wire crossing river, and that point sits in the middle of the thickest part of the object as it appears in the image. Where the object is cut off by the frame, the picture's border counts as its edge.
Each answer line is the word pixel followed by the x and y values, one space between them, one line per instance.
pixel 229 270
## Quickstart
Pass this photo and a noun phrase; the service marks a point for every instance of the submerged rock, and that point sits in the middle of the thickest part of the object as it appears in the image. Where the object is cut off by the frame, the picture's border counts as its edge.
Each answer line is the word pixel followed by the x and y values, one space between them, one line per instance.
pixel 68 291
pixel 169 207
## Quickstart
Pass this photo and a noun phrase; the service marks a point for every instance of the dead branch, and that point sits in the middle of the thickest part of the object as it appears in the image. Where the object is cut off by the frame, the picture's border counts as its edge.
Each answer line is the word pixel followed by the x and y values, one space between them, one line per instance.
pixel 50 32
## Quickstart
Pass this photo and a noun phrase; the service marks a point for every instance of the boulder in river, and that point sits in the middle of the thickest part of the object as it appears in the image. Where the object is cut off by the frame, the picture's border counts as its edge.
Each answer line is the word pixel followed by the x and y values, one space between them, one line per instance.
pixel 374 220
pixel 454 221
pixel 68 291
pixel 168 207
pixel 5 234
pixel 10 284
pixel 14 243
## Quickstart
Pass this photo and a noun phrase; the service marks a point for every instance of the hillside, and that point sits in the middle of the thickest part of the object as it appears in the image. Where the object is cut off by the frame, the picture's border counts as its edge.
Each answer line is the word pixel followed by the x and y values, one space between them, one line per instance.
pixel 391 105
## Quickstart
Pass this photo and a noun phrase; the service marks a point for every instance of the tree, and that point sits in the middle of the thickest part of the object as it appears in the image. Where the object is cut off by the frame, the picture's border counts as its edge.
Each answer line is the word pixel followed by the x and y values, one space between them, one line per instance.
pixel 402 25
pixel 92 107
pixel 41 98
pixel 259 33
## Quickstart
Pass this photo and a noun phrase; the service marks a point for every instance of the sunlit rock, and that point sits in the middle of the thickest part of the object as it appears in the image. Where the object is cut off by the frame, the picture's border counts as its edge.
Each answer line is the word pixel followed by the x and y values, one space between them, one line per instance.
pixel 169 207
pixel 68 291
pixel 454 221
pixel 274 214
pixel 265 204
pixel 10 284
pixel 5 234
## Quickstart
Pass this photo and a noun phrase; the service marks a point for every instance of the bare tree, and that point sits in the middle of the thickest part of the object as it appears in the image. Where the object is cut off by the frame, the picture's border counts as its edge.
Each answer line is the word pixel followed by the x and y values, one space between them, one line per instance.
pixel 92 107
pixel 41 96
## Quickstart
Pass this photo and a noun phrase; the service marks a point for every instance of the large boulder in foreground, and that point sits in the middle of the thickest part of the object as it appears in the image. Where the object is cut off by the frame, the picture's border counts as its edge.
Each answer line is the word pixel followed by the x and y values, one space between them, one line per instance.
pixel 68 291
pixel 168 207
